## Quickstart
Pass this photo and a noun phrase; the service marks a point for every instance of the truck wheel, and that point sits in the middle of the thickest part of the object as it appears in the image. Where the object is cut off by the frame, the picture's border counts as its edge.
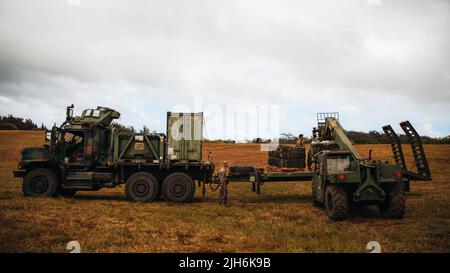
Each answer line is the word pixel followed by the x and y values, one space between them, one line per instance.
pixel 336 203
pixel 178 187
pixel 40 182
pixel 142 187
pixel 67 192
pixel 315 202
pixel 395 204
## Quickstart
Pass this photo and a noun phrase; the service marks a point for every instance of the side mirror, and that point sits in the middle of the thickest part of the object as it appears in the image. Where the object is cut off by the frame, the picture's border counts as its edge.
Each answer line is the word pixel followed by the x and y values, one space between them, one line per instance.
pixel 69 113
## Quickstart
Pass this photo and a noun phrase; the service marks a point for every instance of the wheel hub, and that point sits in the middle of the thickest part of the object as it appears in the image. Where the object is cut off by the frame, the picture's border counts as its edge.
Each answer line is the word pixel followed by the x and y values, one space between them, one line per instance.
pixel 141 189
pixel 178 189
pixel 39 185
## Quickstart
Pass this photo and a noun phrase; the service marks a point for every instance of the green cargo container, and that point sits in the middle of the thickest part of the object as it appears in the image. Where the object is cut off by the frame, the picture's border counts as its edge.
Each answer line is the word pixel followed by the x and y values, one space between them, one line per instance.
pixel 184 136
pixel 132 146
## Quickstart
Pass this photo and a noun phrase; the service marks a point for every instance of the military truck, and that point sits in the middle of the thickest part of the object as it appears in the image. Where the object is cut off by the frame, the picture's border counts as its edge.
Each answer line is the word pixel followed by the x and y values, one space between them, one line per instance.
pixel 342 177
pixel 88 153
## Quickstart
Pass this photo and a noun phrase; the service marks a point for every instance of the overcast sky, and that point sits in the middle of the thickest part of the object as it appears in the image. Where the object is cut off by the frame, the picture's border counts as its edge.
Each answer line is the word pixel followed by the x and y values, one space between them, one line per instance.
pixel 374 61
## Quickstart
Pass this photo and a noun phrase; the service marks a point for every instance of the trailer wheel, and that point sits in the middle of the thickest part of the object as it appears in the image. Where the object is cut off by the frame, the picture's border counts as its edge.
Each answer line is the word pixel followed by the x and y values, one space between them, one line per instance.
pixel 142 187
pixel 40 183
pixel 336 203
pixel 67 192
pixel 395 204
pixel 178 187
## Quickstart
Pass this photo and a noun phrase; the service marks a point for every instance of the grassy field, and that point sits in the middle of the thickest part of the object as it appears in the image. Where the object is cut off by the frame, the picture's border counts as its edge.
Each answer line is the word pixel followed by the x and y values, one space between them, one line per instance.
pixel 281 219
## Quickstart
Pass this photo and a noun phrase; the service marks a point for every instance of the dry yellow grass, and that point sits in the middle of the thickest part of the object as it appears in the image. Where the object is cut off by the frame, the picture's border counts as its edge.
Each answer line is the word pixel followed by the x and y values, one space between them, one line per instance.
pixel 281 219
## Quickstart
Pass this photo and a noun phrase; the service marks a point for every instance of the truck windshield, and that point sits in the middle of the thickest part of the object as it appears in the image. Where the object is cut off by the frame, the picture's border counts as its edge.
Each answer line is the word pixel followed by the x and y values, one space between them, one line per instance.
pixel 338 164
pixel 73 137
pixel 86 113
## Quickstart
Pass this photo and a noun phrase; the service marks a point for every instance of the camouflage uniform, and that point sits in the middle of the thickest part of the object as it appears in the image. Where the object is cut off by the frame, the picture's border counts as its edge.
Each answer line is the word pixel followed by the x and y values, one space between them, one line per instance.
pixel 223 172
pixel 300 141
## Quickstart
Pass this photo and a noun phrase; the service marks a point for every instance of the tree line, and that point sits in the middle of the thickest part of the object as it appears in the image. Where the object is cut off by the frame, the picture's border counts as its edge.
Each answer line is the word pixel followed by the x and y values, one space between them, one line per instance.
pixel 375 137
pixel 15 123
pixel 10 122
pixel 372 137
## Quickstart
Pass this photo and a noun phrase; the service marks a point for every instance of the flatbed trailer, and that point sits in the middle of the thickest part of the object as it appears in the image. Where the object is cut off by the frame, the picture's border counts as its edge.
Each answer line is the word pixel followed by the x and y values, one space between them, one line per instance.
pixel 257 177
pixel 266 177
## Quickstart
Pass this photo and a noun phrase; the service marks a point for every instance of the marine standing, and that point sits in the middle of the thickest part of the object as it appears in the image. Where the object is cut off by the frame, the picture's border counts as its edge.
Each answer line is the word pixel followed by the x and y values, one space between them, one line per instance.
pixel 300 141
pixel 223 173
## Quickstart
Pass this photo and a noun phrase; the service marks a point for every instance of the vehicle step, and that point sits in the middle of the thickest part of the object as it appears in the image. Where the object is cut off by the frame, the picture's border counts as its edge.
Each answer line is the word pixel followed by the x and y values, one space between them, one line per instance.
pixel 79 176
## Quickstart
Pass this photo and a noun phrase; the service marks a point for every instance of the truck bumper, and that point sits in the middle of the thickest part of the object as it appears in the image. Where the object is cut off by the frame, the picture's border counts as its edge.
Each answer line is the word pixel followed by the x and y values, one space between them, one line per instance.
pixel 369 193
pixel 20 173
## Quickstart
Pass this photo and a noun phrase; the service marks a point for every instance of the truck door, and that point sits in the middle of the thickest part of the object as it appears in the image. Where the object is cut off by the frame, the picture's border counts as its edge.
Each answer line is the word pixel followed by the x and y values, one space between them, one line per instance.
pixel 56 144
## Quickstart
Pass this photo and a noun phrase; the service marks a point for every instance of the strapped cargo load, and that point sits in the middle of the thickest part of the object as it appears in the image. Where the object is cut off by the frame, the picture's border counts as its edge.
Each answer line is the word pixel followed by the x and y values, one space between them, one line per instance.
pixel 287 157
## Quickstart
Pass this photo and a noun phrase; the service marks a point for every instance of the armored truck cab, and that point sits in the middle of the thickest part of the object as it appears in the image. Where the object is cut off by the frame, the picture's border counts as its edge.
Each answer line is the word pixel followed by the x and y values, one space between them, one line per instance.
pixel 89 153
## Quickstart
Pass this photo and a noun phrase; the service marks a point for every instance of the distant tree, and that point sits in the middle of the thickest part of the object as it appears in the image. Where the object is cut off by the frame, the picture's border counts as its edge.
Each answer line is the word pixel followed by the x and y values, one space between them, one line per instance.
pixel 10 121
pixel 287 138
pixel 145 130
pixel 375 137
pixel 8 126
pixel 446 140
pixel 372 137
pixel 121 128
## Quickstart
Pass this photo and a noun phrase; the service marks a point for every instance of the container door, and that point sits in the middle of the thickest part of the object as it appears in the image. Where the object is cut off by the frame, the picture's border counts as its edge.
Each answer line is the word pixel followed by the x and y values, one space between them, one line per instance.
pixel 184 136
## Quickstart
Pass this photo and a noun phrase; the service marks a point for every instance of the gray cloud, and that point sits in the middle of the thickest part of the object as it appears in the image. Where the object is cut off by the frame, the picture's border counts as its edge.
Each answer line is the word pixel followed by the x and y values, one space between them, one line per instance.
pixel 372 62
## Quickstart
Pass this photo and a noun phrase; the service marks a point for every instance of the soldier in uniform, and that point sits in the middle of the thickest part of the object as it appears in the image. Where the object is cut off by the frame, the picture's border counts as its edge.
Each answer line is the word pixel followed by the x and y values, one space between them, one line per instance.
pixel 300 141
pixel 223 173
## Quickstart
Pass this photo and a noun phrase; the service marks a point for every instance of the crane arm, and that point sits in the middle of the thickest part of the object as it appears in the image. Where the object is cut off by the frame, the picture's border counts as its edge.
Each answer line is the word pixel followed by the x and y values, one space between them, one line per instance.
pixel 334 131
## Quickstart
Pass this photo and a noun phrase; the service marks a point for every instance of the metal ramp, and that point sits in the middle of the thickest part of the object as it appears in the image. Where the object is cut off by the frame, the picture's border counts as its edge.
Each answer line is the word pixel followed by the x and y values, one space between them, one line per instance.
pixel 420 160
pixel 394 140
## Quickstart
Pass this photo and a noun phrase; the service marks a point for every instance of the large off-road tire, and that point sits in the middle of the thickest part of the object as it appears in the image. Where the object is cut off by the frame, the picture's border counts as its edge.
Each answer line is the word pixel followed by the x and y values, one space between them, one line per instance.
pixel 67 192
pixel 336 203
pixel 315 202
pixel 40 183
pixel 142 187
pixel 178 187
pixel 395 204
